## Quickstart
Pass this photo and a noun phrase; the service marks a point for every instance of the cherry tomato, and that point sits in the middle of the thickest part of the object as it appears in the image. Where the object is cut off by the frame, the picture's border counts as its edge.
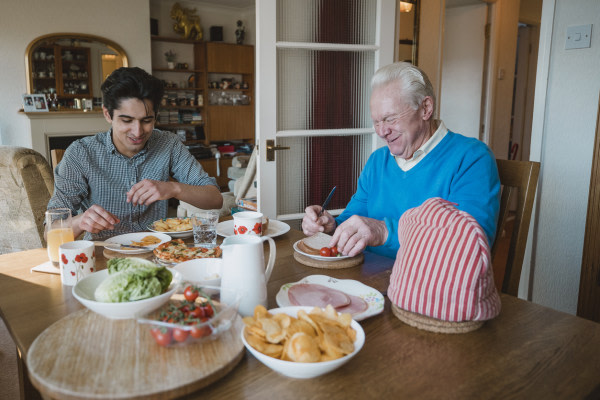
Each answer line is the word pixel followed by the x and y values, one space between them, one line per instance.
pixel 325 252
pixel 180 334
pixel 162 336
pixel 190 293
pixel 200 331
pixel 334 251
pixel 206 311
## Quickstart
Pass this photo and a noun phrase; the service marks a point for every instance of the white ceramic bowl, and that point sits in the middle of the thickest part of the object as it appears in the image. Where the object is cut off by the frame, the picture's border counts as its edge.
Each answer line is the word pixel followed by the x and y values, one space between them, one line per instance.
pixel 305 370
pixel 84 292
pixel 201 271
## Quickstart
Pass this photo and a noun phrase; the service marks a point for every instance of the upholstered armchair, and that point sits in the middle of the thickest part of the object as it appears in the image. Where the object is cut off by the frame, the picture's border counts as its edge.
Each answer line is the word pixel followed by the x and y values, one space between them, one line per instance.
pixel 26 185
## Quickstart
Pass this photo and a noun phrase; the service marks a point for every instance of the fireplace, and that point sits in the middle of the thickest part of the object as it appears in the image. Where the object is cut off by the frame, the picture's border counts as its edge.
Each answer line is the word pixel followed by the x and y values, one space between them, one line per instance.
pixel 56 130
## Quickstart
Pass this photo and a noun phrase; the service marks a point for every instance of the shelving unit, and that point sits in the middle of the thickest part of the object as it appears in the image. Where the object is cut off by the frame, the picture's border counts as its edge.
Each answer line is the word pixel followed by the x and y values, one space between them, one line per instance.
pixel 226 114
pixel 64 70
pixel 222 113
pixel 180 110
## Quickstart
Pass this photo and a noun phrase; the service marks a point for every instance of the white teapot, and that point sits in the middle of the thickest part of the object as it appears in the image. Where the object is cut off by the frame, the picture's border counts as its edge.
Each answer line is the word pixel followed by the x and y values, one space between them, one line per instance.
pixel 244 270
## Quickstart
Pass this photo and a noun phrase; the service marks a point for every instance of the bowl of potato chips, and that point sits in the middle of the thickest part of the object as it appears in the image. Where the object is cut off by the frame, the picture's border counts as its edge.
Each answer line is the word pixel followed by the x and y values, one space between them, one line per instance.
pixel 179 228
pixel 302 342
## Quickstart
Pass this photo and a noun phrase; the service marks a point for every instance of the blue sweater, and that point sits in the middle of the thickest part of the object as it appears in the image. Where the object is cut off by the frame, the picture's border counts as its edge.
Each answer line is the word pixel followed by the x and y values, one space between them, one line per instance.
pixel 459 169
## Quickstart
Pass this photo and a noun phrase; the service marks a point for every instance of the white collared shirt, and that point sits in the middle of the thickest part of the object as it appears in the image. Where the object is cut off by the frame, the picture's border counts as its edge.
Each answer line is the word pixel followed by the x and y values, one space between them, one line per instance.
pixel 425 149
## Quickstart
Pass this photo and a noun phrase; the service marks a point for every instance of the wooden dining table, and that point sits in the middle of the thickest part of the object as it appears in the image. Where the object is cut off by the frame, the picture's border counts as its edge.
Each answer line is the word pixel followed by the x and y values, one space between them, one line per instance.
pixel 527 352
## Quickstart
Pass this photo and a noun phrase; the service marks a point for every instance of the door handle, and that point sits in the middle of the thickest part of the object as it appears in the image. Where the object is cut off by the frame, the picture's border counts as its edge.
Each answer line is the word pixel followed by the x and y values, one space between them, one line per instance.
pixel 271 148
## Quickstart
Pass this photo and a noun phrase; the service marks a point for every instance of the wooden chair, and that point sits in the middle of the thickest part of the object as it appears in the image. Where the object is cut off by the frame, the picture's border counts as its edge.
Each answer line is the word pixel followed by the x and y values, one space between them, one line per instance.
pixel 517 178
pixel 56 155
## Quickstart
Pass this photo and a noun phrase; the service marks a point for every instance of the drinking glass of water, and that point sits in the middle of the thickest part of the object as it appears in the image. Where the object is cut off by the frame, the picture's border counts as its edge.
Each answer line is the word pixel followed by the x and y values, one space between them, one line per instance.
pixel 204 224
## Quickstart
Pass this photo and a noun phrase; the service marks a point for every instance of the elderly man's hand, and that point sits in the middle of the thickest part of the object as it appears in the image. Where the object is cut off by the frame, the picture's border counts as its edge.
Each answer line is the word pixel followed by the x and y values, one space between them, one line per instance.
pixel 312 223
pixel 95 219
pixel 356 233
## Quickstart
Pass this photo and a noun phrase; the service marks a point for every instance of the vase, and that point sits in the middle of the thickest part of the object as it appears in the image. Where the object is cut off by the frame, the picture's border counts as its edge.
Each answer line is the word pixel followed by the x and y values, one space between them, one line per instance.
pixel 171 64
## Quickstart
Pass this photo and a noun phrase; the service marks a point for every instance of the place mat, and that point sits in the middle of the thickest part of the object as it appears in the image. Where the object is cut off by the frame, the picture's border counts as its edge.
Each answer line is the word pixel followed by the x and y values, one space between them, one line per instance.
pixel 434 325
pixel 87 356
pixel 108 254
pixel 47 268
pixel 347 263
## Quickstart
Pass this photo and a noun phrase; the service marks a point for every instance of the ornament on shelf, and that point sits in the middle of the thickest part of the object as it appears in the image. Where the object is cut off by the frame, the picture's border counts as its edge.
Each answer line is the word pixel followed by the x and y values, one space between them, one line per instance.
pixel 170 55
pixel 186 23
pixel 240 32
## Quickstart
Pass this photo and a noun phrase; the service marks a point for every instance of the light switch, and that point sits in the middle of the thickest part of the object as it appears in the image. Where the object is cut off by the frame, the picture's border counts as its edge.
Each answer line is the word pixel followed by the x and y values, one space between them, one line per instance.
pixel 579 37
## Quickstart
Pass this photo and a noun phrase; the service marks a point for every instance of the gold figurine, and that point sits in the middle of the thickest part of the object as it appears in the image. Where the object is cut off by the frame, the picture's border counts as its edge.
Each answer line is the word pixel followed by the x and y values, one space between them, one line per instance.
pixel 186 22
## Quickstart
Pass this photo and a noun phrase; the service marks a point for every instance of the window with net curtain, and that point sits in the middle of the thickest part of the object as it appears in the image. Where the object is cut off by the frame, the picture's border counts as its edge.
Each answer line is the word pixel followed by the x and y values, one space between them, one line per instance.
pixel 319 90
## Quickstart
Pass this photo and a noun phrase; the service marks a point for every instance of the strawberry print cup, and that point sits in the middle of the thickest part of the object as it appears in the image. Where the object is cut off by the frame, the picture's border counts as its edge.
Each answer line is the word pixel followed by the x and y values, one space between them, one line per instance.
pixel 247 223
pixel 77 260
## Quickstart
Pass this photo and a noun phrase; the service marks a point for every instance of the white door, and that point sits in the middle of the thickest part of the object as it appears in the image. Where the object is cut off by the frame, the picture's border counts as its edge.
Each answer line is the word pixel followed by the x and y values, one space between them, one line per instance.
pixel 463 69
pixel 314 63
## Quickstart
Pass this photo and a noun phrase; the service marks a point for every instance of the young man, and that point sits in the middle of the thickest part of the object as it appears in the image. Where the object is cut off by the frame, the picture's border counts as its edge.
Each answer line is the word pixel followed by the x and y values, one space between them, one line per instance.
pixel 118 181
pixel 422 160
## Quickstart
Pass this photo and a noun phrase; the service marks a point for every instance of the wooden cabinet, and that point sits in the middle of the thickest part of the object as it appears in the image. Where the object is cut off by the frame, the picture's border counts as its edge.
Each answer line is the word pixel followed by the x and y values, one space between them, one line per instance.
pixel 210 166
pixel 231 104
pixel 64 70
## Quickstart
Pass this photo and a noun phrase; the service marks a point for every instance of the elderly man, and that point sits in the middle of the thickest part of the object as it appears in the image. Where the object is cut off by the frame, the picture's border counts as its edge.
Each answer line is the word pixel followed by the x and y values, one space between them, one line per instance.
pixel 422 160
pixel 118 181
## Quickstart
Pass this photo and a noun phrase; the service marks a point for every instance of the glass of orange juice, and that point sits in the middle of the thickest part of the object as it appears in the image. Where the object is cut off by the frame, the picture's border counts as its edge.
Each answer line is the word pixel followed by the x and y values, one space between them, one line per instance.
pixel 59 230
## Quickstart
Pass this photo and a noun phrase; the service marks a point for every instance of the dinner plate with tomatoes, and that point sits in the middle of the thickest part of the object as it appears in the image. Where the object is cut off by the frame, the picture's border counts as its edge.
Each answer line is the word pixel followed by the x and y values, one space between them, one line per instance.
pixel 326 253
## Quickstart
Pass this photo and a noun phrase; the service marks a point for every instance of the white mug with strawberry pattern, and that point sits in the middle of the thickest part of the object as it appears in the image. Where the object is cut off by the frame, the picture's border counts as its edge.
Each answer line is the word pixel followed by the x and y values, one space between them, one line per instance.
pixel 77 260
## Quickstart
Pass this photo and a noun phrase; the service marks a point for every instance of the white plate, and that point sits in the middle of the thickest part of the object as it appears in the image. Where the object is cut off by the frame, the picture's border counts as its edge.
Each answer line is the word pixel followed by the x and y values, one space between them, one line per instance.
pixel 84 291
pixel 174 235
pixel 305 370
pixel 373 297
pixel 135 237
pixel 320 258
pixel 201 271
pixel 275 228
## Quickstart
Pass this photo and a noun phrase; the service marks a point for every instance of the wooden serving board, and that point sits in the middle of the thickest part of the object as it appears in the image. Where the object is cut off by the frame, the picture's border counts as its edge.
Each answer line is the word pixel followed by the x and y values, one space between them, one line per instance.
pixel 87 356
pixel 108 254
pixel 346 263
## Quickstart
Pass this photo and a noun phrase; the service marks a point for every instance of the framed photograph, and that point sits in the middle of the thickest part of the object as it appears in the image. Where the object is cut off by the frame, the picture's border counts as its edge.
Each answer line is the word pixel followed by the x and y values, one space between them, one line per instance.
pixel 34 103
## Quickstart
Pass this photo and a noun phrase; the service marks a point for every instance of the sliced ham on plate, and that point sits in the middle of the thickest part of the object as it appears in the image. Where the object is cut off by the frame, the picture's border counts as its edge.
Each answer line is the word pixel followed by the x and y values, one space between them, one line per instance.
pixel 315 295
pixel 356 306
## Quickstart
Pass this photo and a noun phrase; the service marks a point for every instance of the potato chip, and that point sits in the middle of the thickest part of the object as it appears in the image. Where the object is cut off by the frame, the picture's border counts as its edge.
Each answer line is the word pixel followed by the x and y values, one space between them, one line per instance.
pixel 303 348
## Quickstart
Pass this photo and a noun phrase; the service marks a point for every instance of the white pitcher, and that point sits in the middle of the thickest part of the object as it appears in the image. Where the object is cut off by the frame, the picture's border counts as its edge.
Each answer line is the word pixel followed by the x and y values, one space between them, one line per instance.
pixel 244 270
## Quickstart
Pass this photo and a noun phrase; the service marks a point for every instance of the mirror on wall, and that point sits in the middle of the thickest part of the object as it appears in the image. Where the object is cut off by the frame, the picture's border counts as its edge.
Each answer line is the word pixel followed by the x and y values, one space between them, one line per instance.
pixel 407 31
pixel 68 68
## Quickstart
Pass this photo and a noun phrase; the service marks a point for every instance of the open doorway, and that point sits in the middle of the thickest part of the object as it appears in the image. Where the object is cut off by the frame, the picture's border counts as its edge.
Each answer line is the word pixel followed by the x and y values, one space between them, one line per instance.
pixel 524 89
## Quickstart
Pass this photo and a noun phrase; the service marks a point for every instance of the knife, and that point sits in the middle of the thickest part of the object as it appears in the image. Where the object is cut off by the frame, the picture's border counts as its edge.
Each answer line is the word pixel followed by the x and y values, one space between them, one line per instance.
pixel 119 245
pixel 327 200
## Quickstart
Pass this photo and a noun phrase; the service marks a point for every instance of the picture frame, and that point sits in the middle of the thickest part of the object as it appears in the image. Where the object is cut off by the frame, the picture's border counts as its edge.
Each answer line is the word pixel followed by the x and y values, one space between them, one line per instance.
pixel 35 103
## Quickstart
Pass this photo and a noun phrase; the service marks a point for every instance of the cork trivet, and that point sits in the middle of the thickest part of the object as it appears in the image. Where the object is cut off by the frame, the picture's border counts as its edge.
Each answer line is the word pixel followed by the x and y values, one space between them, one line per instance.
pixel 433 324
pixel 108 254
pixel 346 263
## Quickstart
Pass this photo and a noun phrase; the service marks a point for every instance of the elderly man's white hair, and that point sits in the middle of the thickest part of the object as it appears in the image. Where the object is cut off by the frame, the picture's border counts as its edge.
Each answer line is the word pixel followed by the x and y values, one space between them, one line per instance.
pixel 414 83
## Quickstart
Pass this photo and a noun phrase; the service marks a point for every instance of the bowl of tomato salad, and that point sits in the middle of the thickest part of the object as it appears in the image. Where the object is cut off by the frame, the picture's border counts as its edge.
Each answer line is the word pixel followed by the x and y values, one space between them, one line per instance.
pixel 193 314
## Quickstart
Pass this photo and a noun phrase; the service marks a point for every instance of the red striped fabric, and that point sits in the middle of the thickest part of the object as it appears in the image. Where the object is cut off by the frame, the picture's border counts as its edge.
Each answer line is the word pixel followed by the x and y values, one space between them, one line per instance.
pixel 443 267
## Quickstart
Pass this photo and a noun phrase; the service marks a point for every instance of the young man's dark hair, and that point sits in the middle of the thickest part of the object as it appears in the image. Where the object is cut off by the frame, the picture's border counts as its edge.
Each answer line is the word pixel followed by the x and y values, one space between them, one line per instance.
pixel 131 82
